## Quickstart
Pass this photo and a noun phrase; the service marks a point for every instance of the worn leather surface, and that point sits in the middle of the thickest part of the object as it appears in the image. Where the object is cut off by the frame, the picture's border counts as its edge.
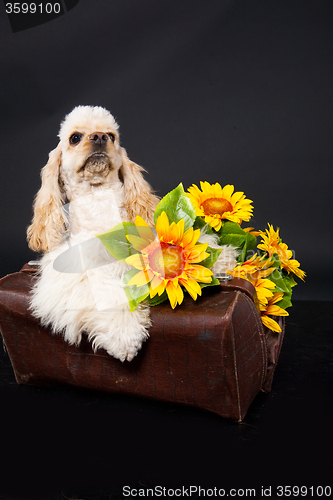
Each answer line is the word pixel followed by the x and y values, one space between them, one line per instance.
pixel 213 353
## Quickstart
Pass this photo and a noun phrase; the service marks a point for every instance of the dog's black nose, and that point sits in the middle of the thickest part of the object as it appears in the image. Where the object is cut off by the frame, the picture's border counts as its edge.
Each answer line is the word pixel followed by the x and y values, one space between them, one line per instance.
pixel 99 138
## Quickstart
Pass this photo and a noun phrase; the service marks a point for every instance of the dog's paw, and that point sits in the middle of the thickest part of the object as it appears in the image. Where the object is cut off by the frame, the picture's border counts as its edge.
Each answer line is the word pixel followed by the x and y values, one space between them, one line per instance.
pixel 120 333
pixel 126 350
pixel 124 354
pixel 120 346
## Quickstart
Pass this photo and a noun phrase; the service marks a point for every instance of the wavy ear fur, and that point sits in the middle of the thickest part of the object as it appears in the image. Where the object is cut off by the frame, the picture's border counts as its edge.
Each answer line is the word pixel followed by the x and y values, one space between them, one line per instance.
pixel 48 223
pixel 139 197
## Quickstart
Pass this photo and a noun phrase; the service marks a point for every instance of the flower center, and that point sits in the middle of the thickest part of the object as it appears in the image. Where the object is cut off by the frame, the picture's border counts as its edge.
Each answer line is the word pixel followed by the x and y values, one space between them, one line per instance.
pixel 167 260
pixel 216 206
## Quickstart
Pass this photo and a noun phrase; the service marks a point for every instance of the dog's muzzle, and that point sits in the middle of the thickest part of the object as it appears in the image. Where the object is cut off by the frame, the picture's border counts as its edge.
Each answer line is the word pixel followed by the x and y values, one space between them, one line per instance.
pixel 96 167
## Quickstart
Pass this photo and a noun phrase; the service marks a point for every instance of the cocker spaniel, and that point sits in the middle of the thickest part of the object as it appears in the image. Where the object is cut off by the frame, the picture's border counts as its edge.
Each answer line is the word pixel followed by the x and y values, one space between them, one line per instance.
pixel 80 286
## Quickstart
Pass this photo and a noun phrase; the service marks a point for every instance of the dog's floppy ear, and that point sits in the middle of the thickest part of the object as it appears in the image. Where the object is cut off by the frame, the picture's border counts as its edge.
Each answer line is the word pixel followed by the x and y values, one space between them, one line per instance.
pixel 48 223
pixel 139 198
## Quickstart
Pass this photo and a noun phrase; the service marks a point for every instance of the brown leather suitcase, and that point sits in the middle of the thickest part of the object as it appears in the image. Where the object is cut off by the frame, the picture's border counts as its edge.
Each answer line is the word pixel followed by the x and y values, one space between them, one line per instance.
pixel 213 353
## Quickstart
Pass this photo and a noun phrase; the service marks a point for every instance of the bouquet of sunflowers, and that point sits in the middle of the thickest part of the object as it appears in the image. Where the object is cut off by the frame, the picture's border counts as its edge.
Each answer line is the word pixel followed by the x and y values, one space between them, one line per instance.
pixel 168 260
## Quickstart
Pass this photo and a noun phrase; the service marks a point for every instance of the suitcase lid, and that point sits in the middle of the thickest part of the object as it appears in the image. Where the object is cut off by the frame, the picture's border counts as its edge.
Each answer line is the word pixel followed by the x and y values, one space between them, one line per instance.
pixel 227 283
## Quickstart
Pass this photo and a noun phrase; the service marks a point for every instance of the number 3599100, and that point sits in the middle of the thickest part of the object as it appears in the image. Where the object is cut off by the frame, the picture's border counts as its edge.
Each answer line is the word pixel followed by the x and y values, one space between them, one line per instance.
pixel 33 8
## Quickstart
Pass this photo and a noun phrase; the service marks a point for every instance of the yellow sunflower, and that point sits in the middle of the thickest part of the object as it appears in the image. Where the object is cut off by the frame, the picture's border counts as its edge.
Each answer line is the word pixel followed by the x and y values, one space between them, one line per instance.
pixel 256 270
pixel 253 268
pixel 251 231
pixel 272 244
pixel 170 260
pixel 273 310
pixel 214 203
pixel 264 289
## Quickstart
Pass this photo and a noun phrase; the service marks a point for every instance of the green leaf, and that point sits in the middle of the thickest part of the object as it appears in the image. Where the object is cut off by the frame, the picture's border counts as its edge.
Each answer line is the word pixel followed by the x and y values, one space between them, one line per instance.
pixel 231 228
pixel 250 244
pixel 251 241
pixel 232 234
pixel 200 223
pixel 214 282
pixel 289 283
pixel 236 240
pixel 288 279
pixel 115 240
pixel 136 294
pixel 285 301
pixel 177 206
pixel 129 275
pixel 280 284
pixel 212 258
pixel 158 299
pixel 283 283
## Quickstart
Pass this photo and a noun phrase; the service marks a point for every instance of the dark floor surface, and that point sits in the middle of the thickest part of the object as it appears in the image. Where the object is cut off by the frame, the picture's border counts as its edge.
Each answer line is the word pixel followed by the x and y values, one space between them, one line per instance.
pixel 77 444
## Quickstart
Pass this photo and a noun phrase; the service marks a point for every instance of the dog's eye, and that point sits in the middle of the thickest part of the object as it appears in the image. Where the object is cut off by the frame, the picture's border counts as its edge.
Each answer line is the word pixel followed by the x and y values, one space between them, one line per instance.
pixel 112 137
pixel 75 138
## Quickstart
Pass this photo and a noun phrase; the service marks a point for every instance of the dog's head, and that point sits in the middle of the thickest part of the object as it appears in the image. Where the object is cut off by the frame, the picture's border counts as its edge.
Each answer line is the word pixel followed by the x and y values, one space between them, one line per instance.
pixel 88 157
pixel 89 148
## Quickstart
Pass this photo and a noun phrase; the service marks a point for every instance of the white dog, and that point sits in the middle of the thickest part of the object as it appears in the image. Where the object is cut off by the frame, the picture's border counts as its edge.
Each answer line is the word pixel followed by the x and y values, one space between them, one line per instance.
pixel 80 285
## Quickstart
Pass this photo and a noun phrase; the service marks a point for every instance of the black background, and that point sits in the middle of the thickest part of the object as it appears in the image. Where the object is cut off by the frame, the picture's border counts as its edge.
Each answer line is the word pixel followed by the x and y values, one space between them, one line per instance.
pixel 226 91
